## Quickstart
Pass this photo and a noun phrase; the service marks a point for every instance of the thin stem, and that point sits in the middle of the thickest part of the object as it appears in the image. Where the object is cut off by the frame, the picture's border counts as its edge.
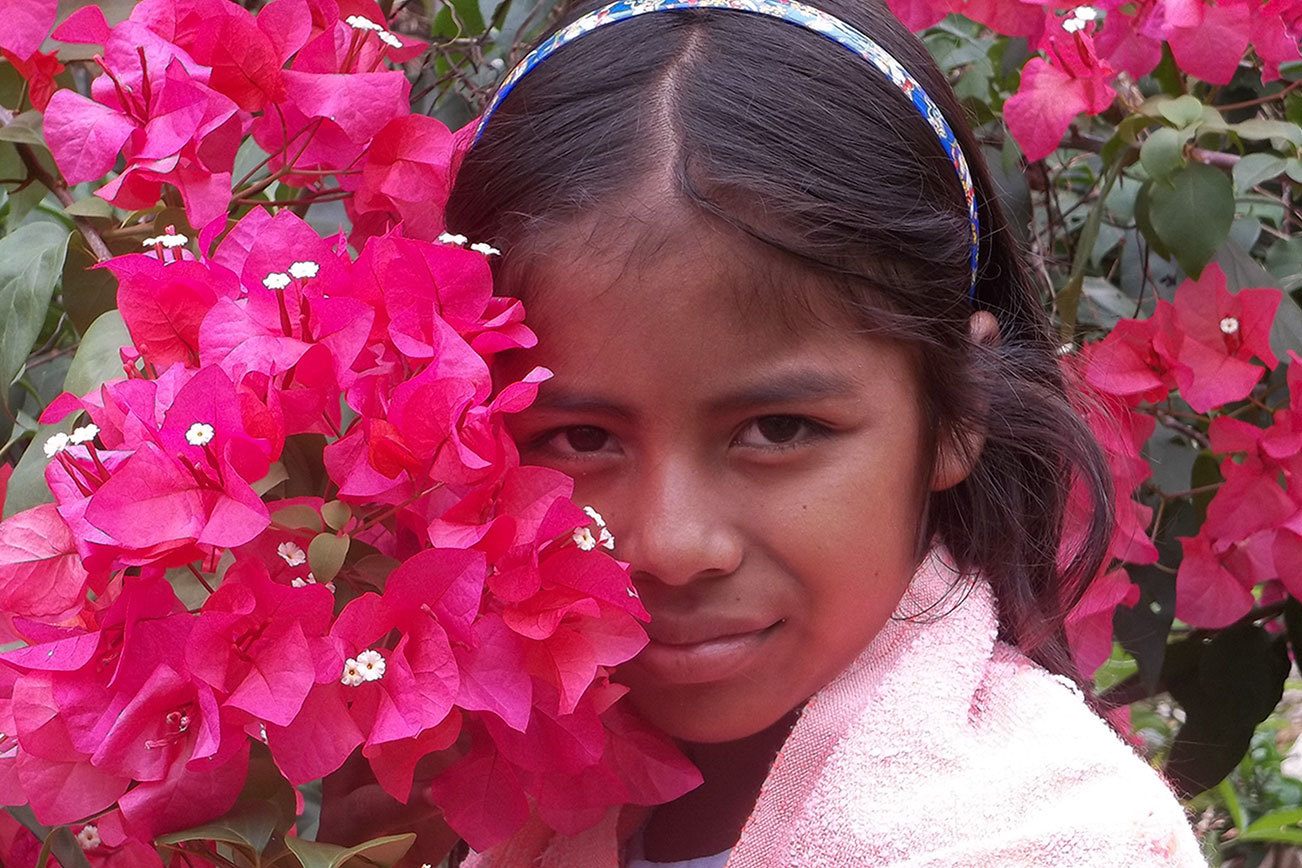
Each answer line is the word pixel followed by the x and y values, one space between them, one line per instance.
pixel 198 575
pixel 1249 103
pixel 59 188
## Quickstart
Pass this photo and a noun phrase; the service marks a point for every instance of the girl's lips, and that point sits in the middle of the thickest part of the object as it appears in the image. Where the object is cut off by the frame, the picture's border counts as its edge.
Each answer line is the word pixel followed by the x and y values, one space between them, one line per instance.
pixel 703 662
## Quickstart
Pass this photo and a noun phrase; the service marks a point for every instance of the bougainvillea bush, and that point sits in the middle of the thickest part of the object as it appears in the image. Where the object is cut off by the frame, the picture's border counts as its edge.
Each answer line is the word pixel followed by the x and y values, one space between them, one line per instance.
pixel 274 585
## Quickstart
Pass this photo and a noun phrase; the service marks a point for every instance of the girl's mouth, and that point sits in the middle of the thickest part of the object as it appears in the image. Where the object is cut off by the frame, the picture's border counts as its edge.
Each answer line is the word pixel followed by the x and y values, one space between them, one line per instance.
pixel 706 661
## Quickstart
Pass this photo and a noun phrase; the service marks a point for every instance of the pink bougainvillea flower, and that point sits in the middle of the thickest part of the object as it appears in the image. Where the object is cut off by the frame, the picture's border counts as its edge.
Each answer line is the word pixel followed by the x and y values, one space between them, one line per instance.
pixel 255 641
pixel 1208 40
pixel 367 692
pixel 1211 337
pixel 41 574
pixel 1089 624
pixel 38 71
pixel 1127 364
pixel 1207 592
pixel 163 304
pixel 406 176
pixel 27 22
pixel 1071 81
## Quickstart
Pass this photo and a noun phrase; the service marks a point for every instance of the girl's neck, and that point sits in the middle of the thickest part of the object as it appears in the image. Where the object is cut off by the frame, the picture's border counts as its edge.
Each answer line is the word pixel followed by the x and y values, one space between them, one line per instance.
pixel 709 819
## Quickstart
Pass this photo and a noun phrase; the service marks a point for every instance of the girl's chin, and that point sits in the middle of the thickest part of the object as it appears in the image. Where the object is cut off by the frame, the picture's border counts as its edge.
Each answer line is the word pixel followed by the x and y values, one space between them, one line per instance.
pixel 700 714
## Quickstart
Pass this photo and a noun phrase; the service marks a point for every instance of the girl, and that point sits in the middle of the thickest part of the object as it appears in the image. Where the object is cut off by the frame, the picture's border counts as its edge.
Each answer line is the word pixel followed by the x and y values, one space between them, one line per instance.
pixel 802 370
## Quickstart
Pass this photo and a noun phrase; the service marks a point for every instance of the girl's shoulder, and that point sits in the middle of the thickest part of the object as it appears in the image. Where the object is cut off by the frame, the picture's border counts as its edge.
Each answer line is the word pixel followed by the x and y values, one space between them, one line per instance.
pixel 1028 775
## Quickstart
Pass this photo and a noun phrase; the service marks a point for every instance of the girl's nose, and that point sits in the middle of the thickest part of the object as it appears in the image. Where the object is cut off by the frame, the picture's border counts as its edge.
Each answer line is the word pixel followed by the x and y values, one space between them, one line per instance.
pixel 675 526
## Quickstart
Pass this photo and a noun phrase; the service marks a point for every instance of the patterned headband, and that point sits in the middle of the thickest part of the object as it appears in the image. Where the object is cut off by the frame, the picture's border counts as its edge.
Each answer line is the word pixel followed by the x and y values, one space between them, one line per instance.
pixel 793 12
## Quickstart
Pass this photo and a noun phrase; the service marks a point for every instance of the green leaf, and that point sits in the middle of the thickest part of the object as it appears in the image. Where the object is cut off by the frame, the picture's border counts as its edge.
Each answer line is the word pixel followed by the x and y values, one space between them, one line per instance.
pixel 298 515
pixel 1255 169
pixel 336 514
pixel 379 853
pixel 1260 129
pixel 91 206
pixel 1163 152
pixel 62 844
pixel 31 260
pixel 1192 213
pixel 1276 820
pixel 1226 686
pixel 24 129
pixel 325 555
pixel 248 826
pixel 1183 111
pixel 87 292
pixel 98 360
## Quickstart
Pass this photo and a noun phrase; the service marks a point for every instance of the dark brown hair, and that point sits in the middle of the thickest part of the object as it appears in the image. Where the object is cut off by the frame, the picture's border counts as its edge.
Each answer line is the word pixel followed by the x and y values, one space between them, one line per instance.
pixel 807 149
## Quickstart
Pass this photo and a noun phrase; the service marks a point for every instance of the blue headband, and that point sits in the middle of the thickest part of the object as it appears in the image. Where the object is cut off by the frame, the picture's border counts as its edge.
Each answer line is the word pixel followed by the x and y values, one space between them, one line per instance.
pixel 793 12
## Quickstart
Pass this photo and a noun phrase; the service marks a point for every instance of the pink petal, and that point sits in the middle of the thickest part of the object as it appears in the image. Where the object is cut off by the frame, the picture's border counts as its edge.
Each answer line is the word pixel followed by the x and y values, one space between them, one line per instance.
pixel 84 136
pixel 41 574
pixel 26 23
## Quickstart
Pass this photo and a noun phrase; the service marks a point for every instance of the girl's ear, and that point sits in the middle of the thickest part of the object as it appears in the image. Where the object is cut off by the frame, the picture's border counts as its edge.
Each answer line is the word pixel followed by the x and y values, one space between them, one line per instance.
pixel 958 452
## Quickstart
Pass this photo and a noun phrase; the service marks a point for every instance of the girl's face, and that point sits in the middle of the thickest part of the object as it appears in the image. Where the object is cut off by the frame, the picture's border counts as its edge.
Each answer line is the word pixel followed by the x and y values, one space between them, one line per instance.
pixel 764 481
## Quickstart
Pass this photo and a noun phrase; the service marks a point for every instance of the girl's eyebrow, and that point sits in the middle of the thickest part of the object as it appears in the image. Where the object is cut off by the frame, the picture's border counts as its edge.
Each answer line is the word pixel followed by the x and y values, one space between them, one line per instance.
pixel 783 388
pixel 786 388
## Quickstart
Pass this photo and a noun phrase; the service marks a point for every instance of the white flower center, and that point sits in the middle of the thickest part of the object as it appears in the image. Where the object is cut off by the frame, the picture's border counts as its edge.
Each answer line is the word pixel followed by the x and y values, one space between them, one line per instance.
pixel 84 434
pixel 276 280
pixel 371 664
pixel 1230 325
pixel 88 837
pixel 292 553
pixel 199 434
pixel 1080 18
pixel 584 539
pixel 361 22
pixel 352 676
pixel 304 269
pixel 56 444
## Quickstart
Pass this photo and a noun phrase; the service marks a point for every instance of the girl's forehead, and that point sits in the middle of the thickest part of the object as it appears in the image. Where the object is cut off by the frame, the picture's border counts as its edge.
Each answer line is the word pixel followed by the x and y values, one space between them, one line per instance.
pixel 641 265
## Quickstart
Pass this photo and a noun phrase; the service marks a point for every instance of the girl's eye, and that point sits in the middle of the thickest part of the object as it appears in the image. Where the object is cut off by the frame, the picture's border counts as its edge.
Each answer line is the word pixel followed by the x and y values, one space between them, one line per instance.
pixel 779 432
pixel 577 440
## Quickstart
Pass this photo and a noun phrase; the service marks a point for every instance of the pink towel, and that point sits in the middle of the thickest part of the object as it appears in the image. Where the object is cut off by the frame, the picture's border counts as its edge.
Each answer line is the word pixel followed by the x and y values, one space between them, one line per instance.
pixel 938 746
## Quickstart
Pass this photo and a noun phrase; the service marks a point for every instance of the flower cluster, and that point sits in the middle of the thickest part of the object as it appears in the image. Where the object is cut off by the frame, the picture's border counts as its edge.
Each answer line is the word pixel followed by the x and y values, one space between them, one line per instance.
pixel 297 519
pixel 1085 46
pixel 183 84
pixel 434 585
pixel 1211 348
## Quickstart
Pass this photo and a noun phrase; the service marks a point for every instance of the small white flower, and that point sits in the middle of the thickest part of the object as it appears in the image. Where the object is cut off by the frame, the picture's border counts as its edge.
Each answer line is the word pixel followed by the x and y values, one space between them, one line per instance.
pixel 1080 18
pixel 84 434
pixel 262 732
pixel 304 269
pixel 371 664
pixel 56 444
pixel 88 837
pixel 632 592
pixel 171 241
pixel 584 539
pixel 450 238
pixel 292 553
pixel 361 22
pixel 352 676
pixel 486 249
pixel 276 280
pixel 297 582
pixel 607 539
pixel 199 434
pixel 390 40
pixel 1230 325
pixel 151 241
pixel 595 516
